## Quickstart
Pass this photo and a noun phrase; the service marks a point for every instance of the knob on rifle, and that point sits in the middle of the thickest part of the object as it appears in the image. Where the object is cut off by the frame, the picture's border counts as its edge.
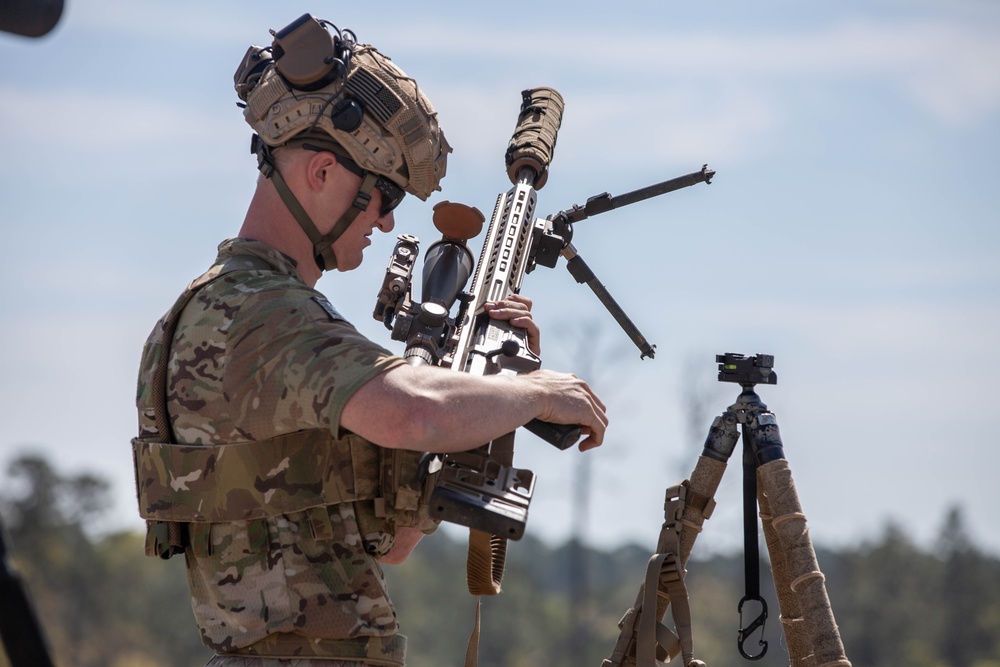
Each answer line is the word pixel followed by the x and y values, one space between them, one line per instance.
pixel 458 221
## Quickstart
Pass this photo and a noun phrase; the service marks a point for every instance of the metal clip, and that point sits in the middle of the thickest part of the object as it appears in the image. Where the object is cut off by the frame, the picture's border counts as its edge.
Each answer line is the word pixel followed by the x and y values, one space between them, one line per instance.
pixel 744 633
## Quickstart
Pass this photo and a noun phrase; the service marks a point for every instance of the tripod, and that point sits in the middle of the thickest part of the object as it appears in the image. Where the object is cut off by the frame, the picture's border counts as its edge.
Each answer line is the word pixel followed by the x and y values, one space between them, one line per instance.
pixel 806 616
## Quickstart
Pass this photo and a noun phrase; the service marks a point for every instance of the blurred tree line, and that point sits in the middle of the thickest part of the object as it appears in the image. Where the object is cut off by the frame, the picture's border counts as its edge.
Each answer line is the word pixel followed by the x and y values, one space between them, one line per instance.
pixel 103 604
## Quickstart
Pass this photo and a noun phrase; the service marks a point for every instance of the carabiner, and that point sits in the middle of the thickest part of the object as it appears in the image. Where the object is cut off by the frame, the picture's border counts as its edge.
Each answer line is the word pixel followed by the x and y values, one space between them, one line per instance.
pixel 744 633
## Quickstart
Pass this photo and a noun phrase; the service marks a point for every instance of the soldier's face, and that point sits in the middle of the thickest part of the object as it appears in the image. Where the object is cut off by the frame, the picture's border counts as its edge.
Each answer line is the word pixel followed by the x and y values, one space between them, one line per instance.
pixel 352 243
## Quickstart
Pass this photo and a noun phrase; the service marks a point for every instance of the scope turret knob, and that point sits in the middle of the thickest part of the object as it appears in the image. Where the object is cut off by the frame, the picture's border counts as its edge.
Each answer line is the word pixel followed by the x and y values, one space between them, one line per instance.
pixel 433 314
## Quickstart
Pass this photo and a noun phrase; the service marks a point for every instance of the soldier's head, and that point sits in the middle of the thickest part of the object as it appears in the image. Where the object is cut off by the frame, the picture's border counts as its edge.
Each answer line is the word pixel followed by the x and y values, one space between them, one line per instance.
pixel 315 88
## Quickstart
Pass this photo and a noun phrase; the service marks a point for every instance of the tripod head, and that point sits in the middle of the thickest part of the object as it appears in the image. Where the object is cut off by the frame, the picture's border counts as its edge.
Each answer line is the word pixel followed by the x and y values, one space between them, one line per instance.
pixel 747 371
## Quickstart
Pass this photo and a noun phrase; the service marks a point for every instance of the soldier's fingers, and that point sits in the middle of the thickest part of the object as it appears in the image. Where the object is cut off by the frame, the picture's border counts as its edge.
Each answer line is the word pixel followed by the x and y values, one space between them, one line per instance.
pixel 592 440
pixel 519 315
pixel 520 298
pixel 534 333
pixel 505 309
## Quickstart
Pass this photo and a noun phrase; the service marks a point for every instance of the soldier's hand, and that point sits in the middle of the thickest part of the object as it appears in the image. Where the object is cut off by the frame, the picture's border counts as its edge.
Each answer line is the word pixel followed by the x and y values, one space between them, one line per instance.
pixel 569 400
pixel 516 309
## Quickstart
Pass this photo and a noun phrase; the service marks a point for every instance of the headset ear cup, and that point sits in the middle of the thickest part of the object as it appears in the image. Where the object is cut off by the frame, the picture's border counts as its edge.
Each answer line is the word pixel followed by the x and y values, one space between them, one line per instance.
pixel 308 56
pixel 347 115
pixel 248 74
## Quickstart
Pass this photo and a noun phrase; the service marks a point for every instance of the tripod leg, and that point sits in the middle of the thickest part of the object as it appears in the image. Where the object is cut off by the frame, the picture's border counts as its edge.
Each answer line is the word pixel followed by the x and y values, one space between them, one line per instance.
pixel 702 485
pixel 806 579
pixel 792 623
pixel 698 506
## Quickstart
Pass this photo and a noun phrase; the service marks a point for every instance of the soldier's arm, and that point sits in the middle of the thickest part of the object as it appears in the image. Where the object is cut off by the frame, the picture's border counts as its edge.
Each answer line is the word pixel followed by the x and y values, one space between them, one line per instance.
pixel 432 409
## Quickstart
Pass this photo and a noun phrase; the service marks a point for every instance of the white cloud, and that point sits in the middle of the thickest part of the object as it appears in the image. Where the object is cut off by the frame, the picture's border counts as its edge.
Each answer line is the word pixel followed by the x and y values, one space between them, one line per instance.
pixel 183 22
pixel 946 66
pixel 700 95
pixel 693 95
pixel 107 120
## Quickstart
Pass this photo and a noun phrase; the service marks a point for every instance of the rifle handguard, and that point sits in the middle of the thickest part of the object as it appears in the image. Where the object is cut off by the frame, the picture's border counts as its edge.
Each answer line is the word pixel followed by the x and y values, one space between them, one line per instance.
pixel 561 436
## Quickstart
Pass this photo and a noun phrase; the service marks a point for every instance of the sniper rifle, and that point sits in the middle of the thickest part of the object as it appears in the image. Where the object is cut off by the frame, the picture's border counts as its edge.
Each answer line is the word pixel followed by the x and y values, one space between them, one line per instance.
pixel 481 489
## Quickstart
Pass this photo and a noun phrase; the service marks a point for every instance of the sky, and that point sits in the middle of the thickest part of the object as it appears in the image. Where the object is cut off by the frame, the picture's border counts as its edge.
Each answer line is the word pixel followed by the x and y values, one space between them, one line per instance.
pixel 851 231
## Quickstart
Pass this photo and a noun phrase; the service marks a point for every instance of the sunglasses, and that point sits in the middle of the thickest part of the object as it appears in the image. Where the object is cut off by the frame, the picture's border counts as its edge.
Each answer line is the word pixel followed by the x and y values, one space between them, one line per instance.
pixel 392 194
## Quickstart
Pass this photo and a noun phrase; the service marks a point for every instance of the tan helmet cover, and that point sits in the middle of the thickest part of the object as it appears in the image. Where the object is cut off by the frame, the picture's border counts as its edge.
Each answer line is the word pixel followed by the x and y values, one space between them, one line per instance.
pixel 398 136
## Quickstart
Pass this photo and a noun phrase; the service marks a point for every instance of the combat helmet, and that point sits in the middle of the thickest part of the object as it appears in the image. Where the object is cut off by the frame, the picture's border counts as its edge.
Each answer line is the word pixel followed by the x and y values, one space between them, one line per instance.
pixel 315 87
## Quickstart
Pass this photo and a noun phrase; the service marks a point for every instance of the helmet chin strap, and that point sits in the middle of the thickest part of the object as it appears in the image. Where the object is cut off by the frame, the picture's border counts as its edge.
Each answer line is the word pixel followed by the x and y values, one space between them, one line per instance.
pixel 323 252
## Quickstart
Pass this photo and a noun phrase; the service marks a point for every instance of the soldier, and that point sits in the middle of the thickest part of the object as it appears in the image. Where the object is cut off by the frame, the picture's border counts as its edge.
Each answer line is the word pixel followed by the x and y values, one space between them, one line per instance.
pixel 278 448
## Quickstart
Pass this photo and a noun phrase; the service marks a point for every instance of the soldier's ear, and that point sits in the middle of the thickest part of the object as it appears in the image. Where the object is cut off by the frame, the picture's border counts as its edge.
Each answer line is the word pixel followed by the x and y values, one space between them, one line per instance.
pixel 321 169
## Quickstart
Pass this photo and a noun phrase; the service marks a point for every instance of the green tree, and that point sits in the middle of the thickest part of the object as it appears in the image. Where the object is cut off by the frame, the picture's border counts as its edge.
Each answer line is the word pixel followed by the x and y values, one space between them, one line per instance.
pixel 968 597
pixel 886 614
pixel 104 604
pixel 46 515
pixel 101 601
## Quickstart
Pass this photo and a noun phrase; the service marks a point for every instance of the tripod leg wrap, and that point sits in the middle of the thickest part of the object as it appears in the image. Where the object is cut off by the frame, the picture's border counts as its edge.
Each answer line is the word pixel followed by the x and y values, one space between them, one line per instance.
pixel 799 649
pixel 803 578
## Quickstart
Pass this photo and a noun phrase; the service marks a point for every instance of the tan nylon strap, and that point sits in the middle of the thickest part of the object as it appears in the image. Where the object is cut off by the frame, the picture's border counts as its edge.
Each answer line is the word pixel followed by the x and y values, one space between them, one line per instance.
pixel 323 248
pixel 359 205
pixel 704 504
pixel 672 581
pixel 326 260
pixel 655 643
pixel 645 639
pixel 665 573
pixel 159 390
pixel 323 252
pixel 668 641
pixel 472 650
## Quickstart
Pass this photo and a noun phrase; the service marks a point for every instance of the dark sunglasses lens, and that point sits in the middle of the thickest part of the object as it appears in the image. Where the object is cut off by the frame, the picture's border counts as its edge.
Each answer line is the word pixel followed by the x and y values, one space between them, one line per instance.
pixel 392 195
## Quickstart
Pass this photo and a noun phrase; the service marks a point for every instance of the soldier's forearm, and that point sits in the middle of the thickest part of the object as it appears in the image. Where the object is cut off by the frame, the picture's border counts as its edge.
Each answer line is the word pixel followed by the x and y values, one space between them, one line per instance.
pixel 439 411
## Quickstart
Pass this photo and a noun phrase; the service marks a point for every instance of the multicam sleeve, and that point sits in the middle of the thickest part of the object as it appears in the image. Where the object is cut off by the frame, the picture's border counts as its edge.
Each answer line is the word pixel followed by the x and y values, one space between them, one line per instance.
pixel 352 362
pixel 294 364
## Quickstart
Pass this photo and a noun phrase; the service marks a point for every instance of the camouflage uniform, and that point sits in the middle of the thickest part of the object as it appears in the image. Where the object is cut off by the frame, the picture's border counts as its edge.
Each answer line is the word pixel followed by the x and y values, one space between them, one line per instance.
pixel 256 355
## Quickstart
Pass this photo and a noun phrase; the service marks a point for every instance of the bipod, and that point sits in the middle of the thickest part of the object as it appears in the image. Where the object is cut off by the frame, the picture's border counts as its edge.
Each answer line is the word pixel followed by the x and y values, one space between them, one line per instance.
pixel 806 615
